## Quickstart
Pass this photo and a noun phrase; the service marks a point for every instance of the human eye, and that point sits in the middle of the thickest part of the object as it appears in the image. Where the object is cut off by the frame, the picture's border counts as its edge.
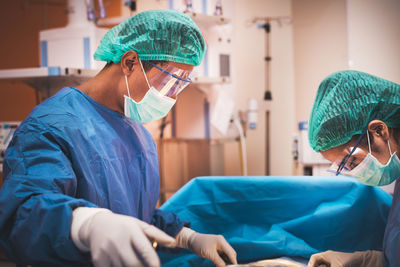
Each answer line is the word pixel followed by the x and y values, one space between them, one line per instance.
pixel 342 163
pixel 352 163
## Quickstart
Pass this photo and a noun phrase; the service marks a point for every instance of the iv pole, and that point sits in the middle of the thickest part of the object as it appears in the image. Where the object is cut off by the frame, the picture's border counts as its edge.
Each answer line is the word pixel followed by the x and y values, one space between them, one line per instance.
pixel 266 25
pixel 267 94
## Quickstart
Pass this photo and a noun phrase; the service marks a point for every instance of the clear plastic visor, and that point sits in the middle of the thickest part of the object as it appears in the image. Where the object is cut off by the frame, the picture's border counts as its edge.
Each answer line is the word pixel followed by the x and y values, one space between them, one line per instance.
pixel 170 81
pixel 348 162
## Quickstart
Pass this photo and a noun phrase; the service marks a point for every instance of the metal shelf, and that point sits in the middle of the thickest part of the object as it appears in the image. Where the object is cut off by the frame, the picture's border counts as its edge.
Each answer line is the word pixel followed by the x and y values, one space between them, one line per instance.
pixel 48 79
pixel 208 20
pixel 202 19
pixel 210 80
pixel 110 22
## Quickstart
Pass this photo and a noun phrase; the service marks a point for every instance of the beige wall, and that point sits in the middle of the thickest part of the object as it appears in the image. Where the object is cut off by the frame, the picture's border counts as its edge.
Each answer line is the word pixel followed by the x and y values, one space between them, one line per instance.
pixel 249 53
pixel 320 47
pixel 374 37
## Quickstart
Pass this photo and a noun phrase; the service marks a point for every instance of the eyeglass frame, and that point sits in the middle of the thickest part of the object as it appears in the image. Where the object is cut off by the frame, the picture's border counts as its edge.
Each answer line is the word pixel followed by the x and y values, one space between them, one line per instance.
pixel 364 131
pixel 188 80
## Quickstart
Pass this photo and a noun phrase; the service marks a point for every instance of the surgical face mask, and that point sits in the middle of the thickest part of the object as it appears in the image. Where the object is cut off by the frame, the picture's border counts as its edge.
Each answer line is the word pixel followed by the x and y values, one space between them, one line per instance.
pixel 371 172
pixel 152 107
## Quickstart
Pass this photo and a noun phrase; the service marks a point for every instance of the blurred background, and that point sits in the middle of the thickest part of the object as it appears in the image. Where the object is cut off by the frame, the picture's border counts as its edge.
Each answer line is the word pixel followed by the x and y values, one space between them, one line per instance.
pixel 246 112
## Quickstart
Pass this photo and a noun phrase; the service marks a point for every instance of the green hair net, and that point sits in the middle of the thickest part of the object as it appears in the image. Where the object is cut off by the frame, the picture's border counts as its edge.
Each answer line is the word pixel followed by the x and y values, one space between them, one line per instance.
pixel 344 104
pixel 155 35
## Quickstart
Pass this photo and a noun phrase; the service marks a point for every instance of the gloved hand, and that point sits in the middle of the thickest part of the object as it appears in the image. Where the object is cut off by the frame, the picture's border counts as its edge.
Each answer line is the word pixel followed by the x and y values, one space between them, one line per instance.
pixel 207 246
pixel 368 258
pixel 116 240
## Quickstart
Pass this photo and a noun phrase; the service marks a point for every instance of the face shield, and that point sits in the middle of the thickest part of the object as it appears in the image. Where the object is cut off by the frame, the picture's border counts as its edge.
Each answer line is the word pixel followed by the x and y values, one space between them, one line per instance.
pixel 170 81
pixel 351 159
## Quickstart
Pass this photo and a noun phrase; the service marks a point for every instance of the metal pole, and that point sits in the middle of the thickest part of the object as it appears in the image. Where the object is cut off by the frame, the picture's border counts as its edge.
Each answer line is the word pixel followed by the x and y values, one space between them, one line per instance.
pixel 267 94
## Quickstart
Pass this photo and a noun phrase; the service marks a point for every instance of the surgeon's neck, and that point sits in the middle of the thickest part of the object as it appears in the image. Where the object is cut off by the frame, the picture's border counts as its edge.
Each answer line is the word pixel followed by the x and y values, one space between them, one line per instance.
pixel 105 88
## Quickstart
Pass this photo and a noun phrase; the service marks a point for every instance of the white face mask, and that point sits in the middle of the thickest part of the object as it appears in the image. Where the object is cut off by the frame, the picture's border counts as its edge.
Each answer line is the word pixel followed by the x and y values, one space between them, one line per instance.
pixel 371 172
pixel 152 107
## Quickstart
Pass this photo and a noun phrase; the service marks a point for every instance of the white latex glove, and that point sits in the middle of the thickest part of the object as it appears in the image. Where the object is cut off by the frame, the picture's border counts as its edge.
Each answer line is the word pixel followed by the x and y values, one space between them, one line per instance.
pixel 368 258
pixel 207 246
pixel 116 240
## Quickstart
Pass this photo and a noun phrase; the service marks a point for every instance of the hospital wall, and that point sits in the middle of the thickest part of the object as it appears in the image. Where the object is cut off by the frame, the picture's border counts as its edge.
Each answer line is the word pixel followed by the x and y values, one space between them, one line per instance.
pixel 320 37
pixel 20 25
pixel 249 52
pixel 374 37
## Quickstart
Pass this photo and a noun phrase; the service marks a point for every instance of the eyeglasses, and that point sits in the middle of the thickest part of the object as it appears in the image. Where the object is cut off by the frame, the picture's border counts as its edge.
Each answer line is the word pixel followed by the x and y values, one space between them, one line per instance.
pixel 171 80
pixel 344 161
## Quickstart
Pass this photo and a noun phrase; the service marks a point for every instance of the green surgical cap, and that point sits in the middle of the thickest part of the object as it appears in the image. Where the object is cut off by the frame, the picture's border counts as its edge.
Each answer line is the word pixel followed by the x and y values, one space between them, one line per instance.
pixel 155 35
pixel 344 104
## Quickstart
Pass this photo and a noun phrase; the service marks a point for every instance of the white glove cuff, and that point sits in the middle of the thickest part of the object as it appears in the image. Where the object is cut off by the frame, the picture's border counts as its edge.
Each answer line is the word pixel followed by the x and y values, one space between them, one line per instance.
pixel 183 238
pixel 80 216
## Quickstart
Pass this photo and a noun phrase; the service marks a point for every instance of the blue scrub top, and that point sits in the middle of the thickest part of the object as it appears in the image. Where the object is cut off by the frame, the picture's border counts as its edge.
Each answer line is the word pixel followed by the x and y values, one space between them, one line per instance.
pixel 391 242
pixel 70 152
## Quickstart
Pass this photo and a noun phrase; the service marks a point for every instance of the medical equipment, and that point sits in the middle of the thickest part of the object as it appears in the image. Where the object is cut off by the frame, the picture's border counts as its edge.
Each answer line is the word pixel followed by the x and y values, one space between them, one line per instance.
pixel 242 145
pixel 80 38
pixel 90 10
pixel 265 24
pixel 91 15
pixel 102 9
pixel 131 4
pixel 7 130
pixel 218 8
pixel 252 113
pixel 313 163
pixel 189 6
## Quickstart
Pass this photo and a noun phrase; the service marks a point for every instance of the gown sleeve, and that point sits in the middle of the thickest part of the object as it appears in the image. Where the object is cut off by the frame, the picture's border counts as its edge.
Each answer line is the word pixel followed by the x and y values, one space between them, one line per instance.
pixel 37 199
pixel 168 221
pixel 391 241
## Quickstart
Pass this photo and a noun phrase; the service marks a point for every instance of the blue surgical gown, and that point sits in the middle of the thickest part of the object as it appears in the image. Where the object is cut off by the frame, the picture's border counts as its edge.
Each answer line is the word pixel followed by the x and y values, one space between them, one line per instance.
pixel 391 242
pixel 70 152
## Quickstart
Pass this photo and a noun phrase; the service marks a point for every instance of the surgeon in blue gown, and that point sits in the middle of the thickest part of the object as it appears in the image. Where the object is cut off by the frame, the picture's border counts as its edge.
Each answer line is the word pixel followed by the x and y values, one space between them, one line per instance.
pixel 81 177
pixel 355 123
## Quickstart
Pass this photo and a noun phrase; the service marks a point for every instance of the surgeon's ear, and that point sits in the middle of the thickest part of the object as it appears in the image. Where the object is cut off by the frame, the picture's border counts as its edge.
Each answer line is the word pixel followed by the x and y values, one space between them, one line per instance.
pixel 129 62
pixel 379 129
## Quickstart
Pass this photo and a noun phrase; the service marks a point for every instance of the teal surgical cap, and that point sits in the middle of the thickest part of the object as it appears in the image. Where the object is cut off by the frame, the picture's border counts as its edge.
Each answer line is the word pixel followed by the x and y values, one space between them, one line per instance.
pixel 155 35
pixel 344 104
